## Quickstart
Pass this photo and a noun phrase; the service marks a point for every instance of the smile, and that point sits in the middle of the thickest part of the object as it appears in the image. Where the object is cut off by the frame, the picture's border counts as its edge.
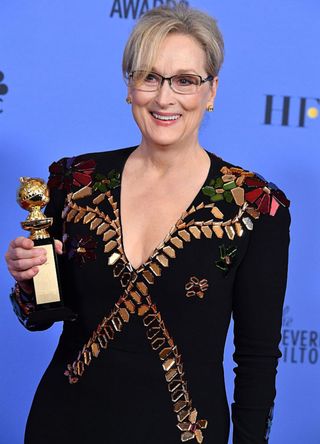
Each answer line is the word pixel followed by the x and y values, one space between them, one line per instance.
pixel 166 118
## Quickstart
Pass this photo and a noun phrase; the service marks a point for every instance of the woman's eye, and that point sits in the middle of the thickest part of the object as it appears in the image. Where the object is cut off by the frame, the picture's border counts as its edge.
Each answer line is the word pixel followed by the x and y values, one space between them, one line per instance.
pixel 186 80
pixel 150 78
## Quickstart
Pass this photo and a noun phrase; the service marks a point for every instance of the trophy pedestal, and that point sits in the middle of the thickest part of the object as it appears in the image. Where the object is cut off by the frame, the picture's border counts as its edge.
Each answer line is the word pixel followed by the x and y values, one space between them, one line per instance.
pixel 51 314
pixel 49 306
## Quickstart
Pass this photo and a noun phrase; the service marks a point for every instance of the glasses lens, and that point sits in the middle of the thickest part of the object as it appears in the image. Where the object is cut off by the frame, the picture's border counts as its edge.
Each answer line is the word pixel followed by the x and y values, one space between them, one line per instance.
pixel 186 83
pixel 145 81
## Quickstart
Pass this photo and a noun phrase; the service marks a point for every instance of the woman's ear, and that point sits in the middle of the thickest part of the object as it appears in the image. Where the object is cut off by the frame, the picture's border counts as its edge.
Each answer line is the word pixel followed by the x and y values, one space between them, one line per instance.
pixel 213 88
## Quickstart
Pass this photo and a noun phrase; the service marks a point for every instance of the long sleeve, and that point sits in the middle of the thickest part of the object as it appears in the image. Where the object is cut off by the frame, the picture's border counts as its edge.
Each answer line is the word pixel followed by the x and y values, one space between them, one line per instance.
pixel 257 311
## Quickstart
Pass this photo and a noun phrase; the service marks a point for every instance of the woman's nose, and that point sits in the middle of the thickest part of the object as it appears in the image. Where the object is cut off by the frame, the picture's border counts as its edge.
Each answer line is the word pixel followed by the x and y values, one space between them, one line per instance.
pixel 165 95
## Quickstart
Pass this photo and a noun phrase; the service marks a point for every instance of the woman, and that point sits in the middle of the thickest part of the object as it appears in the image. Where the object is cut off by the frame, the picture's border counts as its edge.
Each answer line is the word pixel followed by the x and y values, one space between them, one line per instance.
pixel 162 243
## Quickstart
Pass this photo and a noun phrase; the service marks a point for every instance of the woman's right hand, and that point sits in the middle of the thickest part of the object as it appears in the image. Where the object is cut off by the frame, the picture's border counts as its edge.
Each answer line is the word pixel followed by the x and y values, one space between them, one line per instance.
pixel 23 260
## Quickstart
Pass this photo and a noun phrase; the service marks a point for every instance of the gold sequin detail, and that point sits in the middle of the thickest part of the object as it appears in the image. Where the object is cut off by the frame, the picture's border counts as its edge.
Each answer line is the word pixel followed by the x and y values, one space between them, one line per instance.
pixel 136 296
pixel 113 258
pixel 143 309
pixel 217 213
pixel 196 287
pixel 230 231
pixel 163 260
pixel 142 287
pixel 83 192
pixel 109 235
pixel 184 235
pixel 88 218
pixel 169 251
pixel 218 231
pixel 124 314
pixel 195 231
pixel 95 223
pixel 136 300
pixel 110 246
pixel 155 269
pixel 149 277
pixel 238 195
pixel 207 231
pixel 176 242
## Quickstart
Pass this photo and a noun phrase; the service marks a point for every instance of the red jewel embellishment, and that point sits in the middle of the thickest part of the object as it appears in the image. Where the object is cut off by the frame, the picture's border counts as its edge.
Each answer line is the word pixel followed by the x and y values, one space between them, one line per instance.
pixel 266 196
pixel 71 171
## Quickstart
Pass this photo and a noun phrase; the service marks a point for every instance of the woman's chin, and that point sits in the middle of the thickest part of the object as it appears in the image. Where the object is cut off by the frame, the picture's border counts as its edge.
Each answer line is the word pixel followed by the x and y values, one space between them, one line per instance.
pixel 164 141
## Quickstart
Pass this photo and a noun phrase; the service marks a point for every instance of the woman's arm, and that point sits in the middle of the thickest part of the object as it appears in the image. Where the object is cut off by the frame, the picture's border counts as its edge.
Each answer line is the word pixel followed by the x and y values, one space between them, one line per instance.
pixel 257 311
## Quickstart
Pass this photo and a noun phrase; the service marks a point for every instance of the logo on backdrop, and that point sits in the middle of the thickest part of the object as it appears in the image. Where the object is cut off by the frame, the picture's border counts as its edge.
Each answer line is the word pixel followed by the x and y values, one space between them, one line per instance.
pixel 132 9
pixel 298 346
pixel 291 111
pixel 3 89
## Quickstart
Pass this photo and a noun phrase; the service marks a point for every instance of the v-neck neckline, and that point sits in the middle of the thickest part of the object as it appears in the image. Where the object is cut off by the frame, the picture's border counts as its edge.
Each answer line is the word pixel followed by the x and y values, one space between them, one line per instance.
pixel 157 248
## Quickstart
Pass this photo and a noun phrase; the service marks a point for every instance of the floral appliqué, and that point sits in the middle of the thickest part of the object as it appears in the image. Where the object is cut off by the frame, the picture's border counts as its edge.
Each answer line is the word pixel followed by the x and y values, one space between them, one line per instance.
pixel 265 195
pixel 104 182
pixel 196 287
pixel 227 255
pixel 240 186
pixel 70 172
pixel 81 248
pixel 192 427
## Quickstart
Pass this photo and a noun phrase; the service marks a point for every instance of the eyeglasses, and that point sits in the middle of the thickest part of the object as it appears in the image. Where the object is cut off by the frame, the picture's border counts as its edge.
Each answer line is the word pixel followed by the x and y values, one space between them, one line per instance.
pixel 180 83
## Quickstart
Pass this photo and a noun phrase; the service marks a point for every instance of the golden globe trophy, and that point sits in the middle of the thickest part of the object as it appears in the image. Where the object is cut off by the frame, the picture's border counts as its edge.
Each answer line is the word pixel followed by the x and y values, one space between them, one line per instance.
pixel 33 195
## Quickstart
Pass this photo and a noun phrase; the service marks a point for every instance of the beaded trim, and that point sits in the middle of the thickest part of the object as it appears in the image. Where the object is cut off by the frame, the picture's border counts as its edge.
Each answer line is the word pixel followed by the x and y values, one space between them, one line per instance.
pixel 136 299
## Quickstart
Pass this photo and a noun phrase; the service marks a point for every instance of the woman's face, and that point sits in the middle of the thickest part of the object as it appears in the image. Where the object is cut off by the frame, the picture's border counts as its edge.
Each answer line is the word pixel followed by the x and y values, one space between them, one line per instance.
pixel 178 54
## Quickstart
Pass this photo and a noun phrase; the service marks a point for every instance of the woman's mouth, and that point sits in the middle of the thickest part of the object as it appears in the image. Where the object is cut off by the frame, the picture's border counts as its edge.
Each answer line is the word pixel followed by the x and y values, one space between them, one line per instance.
pixel 165 117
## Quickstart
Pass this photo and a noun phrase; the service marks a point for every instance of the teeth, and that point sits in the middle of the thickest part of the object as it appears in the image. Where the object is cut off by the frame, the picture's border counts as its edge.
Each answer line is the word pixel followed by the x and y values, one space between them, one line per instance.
pixel 173 117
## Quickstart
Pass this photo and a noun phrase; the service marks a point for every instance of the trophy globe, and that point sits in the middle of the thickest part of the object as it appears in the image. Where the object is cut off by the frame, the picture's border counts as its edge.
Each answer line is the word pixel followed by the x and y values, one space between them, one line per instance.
pixel 32 196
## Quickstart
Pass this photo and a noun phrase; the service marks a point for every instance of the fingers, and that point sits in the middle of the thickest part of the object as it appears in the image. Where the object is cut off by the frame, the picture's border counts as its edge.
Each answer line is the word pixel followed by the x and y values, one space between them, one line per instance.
pixel 23 260
pixel 58 246
pixel 21 242
pixel 24 276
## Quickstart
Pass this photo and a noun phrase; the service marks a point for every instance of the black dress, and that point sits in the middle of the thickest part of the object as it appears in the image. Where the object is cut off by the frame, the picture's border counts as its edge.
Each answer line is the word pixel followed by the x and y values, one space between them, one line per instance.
pixel 143 363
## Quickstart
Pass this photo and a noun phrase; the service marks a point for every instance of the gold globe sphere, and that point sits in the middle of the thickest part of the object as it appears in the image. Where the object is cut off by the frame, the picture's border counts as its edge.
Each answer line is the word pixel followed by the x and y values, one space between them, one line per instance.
pixel 33 192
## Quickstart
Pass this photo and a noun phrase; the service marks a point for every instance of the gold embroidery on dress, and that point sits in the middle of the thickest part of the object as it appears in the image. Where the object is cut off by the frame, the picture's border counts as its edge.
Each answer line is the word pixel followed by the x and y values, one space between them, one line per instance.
pixel 136 299
pixel 179 234
pixel 196 287
pixel 133 302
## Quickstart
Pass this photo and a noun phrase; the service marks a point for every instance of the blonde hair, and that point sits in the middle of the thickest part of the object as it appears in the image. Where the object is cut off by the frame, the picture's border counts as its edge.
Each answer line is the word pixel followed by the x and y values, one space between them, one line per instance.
pixel 153 27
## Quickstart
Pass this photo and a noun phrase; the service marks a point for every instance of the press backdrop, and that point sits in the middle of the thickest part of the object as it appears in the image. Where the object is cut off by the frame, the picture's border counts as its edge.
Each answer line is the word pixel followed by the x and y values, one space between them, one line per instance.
pixel 62 93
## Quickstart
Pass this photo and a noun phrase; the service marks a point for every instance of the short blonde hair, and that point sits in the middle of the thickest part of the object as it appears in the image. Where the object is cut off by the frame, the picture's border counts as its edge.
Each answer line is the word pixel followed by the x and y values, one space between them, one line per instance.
pixel 143 44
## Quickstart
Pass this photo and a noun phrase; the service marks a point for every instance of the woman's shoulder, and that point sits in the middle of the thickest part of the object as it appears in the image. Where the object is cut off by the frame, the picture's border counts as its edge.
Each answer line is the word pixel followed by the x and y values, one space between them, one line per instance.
pixel 96 156
pixel 82 169
pixel 247 188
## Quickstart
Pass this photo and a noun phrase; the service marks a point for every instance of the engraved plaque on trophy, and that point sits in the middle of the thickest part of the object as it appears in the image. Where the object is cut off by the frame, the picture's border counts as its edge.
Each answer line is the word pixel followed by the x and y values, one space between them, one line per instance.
pixel 32 196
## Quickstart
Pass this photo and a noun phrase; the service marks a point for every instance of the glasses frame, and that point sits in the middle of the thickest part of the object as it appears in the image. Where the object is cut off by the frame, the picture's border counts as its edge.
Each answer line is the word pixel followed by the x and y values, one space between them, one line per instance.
pixel 169 79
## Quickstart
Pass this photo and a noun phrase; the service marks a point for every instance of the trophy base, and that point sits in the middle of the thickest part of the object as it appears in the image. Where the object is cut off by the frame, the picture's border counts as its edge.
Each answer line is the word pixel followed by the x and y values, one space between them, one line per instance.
pixel 54 314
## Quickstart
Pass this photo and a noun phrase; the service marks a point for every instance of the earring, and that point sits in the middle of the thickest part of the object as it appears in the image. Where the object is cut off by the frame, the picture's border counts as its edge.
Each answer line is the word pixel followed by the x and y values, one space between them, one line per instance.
pixel 210 108
pixel 129 100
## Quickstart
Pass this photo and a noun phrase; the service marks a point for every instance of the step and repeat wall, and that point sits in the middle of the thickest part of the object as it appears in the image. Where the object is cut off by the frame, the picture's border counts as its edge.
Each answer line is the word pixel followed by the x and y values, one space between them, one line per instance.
pixel 62 94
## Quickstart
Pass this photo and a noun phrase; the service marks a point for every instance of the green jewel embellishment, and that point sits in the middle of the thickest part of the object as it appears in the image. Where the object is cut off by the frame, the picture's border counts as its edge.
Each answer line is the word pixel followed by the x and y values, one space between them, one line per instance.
pixel 107 182
pixel 218 190
pixel 227 254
